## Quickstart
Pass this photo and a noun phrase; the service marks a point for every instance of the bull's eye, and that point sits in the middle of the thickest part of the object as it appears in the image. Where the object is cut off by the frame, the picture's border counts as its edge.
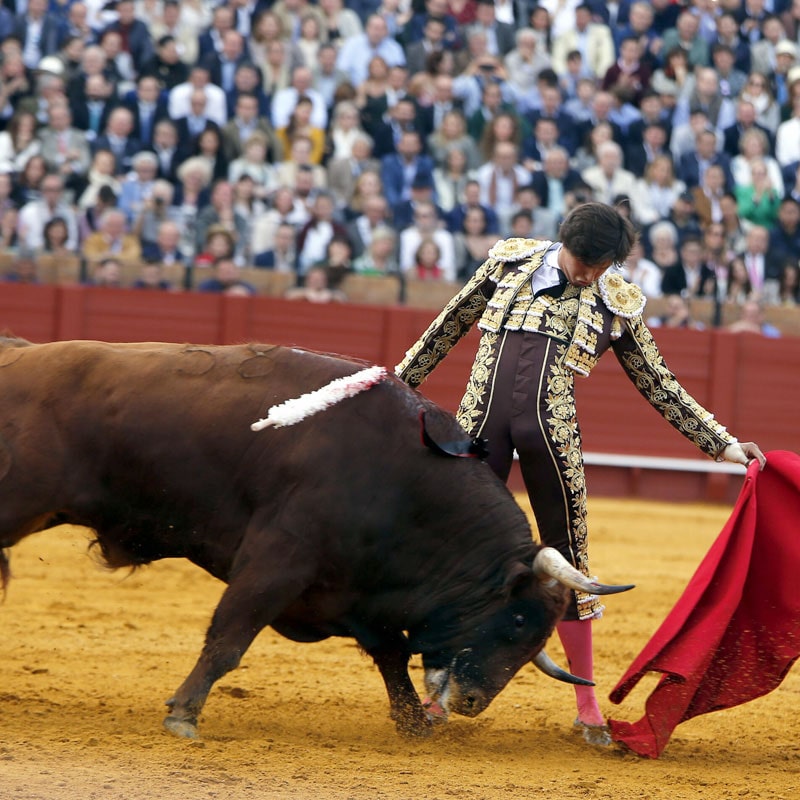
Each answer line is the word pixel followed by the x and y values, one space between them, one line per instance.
pixel 519 620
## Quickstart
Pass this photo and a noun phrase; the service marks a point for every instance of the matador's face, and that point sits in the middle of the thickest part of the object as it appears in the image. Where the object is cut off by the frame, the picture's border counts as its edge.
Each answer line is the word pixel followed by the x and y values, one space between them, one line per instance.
pixel 578 273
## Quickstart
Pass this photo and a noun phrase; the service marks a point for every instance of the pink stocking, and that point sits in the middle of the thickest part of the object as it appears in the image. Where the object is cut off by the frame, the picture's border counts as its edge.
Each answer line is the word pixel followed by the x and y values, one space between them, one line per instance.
pixel 576 639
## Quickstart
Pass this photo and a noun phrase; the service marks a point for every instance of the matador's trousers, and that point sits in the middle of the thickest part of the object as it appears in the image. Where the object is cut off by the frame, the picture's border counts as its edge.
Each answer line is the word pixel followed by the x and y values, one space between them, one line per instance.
pixel 521 397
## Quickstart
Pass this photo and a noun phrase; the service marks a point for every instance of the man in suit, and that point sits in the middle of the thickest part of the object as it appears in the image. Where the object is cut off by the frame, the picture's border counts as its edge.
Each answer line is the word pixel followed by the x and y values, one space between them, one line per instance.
pixel 641 151
pixel 244 122
pixel 136 39
pixel 691 166
pixel 64 148
pixel 148 106
pixel 375 215
pixel 499 35
pixel 745 121
pixel 40 32
pixel 166 64
pixel 417 53
pixel 554 180
pixel 222 64
pixel 196 121
pixel 454 220
pixel 118 138
pixel 430 117
pixel 691 276
pixel 398 170
pixel 223 19
pixel 169 150
pixel 179 102
pixel 92 115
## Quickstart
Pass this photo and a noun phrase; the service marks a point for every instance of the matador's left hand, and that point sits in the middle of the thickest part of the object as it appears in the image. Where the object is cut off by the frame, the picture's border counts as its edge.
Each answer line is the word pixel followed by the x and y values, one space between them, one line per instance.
pixel 744 453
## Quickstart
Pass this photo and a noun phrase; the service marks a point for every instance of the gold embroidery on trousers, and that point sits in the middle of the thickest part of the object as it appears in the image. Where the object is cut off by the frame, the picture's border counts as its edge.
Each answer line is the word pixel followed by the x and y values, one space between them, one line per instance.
pixel 472 406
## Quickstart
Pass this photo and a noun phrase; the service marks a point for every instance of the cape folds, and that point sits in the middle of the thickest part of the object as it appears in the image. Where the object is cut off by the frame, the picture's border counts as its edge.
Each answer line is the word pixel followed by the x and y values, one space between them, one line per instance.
pixel 735 632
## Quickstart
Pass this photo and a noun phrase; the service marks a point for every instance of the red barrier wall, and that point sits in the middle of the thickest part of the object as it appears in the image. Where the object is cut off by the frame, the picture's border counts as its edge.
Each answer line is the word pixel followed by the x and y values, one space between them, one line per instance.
pixel 751 383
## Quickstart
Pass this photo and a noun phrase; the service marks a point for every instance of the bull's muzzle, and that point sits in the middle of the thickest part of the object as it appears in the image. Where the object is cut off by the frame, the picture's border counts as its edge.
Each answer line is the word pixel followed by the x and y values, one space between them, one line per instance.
pixel 454 693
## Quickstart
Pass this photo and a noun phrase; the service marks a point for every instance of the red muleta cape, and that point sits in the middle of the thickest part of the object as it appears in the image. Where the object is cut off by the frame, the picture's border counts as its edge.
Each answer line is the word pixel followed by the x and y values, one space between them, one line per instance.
pixel 735 632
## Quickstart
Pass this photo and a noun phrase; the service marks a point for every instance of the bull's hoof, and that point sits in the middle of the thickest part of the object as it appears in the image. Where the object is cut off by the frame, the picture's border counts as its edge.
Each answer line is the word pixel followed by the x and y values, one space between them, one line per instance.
pixel 181 727
pixel 597 735
pixel 412 726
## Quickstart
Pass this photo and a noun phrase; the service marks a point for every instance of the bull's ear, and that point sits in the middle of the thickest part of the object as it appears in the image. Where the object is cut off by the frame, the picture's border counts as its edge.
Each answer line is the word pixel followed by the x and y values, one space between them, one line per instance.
pixel 465 448
pixel 518 576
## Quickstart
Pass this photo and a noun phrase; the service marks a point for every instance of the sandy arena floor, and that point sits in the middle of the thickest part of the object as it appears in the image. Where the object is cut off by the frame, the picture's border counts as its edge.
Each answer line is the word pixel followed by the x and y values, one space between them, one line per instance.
pixel 88 657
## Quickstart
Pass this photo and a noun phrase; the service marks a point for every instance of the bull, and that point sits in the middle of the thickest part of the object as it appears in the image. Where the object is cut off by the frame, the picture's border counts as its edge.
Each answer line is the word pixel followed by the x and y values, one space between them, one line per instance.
pixel 346 524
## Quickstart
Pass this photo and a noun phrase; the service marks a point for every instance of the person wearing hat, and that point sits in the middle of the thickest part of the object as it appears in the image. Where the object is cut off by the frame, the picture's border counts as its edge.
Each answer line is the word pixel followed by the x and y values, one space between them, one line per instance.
pixel 786 53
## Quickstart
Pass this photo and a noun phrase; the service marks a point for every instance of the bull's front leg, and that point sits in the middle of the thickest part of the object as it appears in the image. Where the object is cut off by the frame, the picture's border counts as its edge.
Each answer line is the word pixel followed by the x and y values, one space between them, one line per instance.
pixel 391 657
pixel 256 596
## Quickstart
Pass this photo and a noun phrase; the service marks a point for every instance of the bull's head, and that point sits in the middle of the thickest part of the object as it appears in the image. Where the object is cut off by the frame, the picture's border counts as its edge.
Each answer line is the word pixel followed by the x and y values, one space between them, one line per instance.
pixel 498 647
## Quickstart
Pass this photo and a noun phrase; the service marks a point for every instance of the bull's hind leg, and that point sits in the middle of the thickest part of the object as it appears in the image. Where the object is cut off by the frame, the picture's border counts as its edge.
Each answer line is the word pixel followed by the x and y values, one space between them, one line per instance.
pixel 255 596
pixel 391 658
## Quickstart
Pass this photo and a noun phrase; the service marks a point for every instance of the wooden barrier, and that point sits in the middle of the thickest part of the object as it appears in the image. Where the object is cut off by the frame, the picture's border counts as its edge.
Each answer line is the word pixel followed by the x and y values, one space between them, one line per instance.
pixel 750 382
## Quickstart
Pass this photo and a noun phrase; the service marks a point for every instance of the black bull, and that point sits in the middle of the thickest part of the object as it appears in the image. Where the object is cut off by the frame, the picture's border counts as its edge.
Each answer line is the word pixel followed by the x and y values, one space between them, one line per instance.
pixel 342 525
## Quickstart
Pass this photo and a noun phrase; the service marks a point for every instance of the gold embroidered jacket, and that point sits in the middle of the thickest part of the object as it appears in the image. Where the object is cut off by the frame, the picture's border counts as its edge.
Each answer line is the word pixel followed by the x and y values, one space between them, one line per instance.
pixel 590 320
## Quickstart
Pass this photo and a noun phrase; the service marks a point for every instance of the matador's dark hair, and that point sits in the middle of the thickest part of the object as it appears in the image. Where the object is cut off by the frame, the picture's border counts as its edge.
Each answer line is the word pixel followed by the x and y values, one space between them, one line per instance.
pixel 596 234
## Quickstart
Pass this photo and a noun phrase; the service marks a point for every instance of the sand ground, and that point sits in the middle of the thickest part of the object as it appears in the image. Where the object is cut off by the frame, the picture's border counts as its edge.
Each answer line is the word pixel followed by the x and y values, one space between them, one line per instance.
pixel 87 658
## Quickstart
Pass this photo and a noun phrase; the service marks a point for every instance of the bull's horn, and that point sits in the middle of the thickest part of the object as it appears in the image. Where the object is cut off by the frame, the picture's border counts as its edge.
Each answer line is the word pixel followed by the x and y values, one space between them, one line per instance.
pixel 543 662
pixel 549 563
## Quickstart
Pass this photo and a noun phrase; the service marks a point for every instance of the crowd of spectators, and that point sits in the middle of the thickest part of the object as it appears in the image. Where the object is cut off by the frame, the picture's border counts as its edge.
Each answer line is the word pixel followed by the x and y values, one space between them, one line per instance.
pixel 399 137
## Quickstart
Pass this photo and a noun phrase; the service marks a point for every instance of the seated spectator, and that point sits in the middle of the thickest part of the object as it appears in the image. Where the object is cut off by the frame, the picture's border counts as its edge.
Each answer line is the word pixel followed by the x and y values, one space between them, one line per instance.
pixel 220 211
pixel 587 35
pixel 253 164
pixel 375 217
pixel 28 183
pixel 454 220
pixel 450 179
pixel 166 249
pixel 282 253
pixel 107 273
pixel 208 146
pixel 398 170
pixel 763 267
pixel 285 209
pixel 499 180
pixel 452 134
pixel 662 241
pixel 426 262
pixel 372 94
pixel 708 196
pixel 219 242
pixel 784 237
pixel 56 239
pixel 426 224
pixel 112 239
pixel 345 130
pixel 524 63
pixel 24 269
pixel 643 272
pixel 690 276
pixel 735 232
pixel 631 72
pixel 118 137
pixel 752 321
pixel 654 195
pixel 423 190
pixel 299 158
pixel 300 124
pixel 673 76
pixel 586 154
pixel 166 64
pixel 316 289
pixel 759 200
pixel 338 261
pixel 367 184
pixel 677 314
pixel 379 256
pixel 737 282
pixel 151 278
pixel 787 137
pixel 226 279
pixel 342 174
pixel 35 214
pixel 753 147
pixel 246 121
pixel 472 243
pixel 608 179
pixel 156 209
pixel 64 147
pixel 18 142
pixel 138 185
pixel 757 91
pixel 101 173
pixel 356 53
pixel 315 235
pixel 789 284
